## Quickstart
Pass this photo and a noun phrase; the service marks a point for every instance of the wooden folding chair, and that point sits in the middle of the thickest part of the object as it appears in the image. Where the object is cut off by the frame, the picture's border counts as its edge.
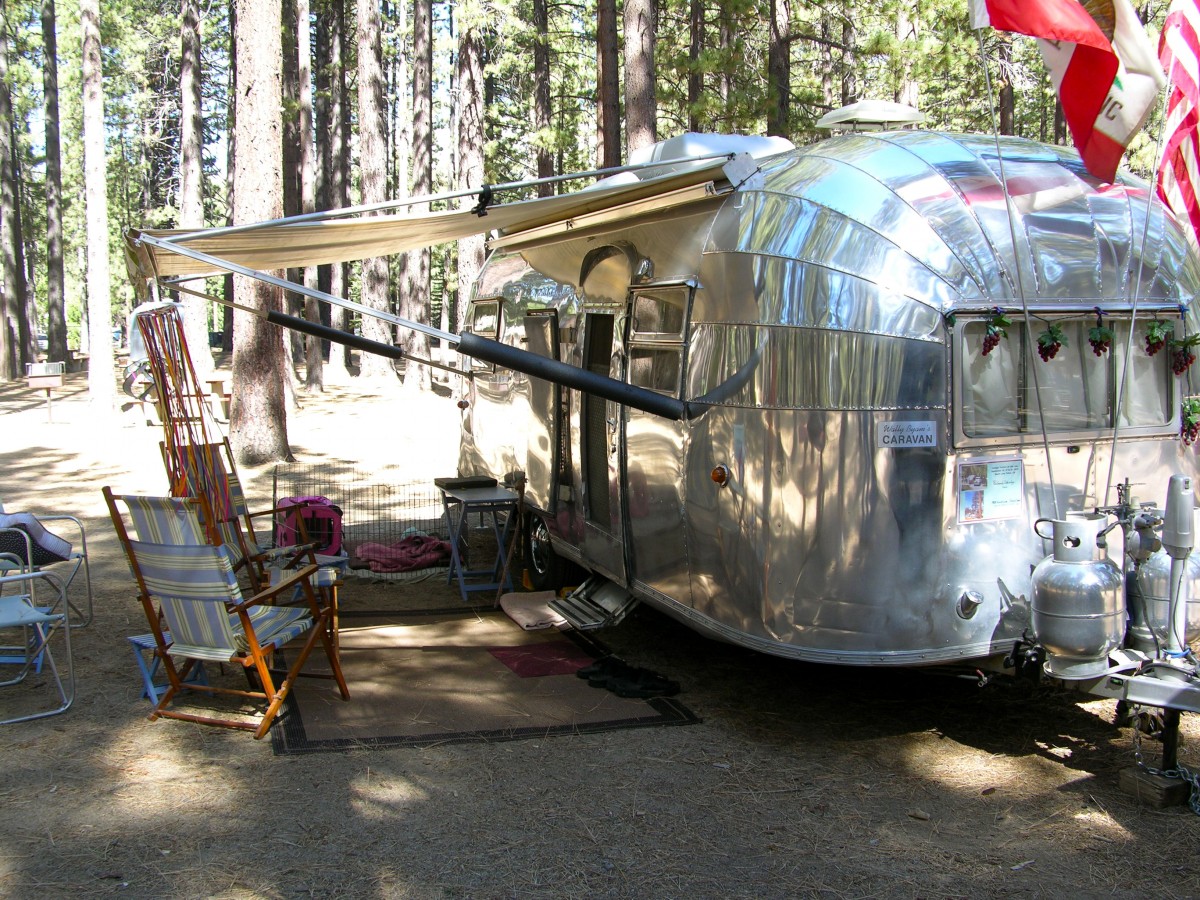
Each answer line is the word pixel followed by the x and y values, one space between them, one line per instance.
pixel 206 617
pixel 208 472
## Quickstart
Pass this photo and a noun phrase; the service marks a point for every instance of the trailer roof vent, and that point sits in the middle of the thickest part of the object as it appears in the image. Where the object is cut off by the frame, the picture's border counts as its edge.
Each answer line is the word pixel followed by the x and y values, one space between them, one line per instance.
pixel 871 115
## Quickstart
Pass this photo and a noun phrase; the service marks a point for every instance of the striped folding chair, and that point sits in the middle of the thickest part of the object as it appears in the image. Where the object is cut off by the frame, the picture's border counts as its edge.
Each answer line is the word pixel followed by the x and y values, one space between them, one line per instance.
pixel 210 620
pixel 158 520
pixel 182 520
pixel 207 472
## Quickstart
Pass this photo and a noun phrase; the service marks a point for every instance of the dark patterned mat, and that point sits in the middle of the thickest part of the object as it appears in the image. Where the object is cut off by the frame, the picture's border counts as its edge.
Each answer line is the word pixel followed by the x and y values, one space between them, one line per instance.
pixel 434 677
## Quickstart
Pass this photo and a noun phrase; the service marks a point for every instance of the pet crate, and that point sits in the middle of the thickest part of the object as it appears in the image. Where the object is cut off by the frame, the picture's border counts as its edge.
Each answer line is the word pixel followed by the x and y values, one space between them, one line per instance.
pixel 379 506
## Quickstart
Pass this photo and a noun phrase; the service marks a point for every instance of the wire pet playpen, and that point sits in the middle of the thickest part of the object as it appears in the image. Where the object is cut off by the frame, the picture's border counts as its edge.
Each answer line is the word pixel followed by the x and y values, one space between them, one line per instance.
pixel 381 506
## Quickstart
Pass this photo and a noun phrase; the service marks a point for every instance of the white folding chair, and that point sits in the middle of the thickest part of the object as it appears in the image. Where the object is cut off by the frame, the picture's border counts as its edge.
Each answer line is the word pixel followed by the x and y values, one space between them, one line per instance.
pixel 26 545
pixel 38 619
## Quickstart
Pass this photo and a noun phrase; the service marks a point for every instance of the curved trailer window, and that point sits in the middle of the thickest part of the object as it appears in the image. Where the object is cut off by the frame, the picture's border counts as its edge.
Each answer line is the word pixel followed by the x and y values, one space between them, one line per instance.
pixel 1079 389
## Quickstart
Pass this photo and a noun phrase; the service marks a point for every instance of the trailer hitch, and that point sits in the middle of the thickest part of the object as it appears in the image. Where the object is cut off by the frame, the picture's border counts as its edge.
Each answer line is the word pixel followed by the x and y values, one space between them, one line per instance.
pixel 1026 658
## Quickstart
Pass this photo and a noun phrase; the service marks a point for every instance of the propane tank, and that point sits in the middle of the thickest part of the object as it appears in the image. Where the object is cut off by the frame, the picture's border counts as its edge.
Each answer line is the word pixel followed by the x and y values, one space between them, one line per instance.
pixel 1078 605
pixel 1149 602
pixel 1178 539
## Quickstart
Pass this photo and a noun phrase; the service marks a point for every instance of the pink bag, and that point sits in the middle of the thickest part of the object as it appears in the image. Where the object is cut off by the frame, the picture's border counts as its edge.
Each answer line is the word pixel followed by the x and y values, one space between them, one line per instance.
pixel 322 522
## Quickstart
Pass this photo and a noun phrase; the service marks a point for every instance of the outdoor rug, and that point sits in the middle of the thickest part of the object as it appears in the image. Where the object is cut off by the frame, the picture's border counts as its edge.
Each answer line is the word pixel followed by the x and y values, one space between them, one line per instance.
pixel 456 676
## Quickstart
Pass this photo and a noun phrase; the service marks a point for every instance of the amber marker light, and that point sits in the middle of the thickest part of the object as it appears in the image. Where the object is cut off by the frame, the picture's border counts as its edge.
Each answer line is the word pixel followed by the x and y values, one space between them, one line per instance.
pixel 720 476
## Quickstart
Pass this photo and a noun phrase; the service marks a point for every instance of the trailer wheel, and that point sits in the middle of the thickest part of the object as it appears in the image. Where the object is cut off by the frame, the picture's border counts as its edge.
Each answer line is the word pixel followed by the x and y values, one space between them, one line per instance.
pixel 546 569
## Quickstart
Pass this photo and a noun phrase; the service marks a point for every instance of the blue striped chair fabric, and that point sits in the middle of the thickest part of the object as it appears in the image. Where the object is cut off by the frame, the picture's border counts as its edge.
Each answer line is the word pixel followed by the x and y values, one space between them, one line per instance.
pixel 195 585
pixel 207 471
pixel 165 520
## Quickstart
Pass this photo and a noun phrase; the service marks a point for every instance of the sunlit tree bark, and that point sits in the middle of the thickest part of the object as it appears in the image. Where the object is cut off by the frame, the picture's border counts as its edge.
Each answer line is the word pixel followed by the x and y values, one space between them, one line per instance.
pixel 191 177
pixel 101 378
pixel 372 173
pixel 56 321
pixel 641 111
pixel 258 418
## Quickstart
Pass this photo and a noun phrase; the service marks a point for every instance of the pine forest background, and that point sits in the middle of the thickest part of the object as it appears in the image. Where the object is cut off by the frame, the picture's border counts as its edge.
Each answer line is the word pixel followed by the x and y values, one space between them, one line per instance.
pixel 459 94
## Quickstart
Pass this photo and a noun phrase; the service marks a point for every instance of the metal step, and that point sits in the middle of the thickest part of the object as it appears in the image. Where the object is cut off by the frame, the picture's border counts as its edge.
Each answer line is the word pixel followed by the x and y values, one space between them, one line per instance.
pixel 597 603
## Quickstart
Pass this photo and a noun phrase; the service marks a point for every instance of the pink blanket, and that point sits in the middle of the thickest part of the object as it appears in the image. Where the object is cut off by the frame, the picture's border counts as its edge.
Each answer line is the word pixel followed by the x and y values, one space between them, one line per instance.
pixel 417 551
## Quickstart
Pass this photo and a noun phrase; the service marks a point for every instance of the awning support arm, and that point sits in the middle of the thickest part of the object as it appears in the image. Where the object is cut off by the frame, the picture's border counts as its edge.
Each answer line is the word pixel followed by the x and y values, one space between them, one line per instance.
pixel 302 290
pixel 467 343
pixel 317 330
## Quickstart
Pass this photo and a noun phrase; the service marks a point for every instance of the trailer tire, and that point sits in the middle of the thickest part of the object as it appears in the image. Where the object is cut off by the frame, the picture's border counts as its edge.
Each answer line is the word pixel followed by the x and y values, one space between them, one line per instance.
pixel 546 570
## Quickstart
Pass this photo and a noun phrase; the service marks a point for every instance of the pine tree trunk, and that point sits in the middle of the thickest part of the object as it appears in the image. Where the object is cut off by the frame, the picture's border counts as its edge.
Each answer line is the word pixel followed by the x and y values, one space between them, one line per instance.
pixel 414 299
pixel 56 318
pixel 258 418
pixel 695 83
pixel 14 300
pixel 292 203
pixel 541 95
pixel 779 70
pixel 641 110
pixel 191 184
pixel 313 357
pixel 101 378
pixel 849 82
pixel 331 92
pixel 608 98
pixel 1007 100
pixel 909 91
pixel 470 157
pixel 372 160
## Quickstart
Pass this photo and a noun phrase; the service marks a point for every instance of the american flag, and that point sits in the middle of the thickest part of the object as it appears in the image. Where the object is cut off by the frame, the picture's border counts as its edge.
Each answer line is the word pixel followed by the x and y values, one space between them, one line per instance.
pixel 1179 172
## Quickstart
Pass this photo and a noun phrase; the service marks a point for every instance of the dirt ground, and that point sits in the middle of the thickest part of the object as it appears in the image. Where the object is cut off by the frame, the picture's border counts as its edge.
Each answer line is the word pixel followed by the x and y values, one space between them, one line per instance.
pixel 800 780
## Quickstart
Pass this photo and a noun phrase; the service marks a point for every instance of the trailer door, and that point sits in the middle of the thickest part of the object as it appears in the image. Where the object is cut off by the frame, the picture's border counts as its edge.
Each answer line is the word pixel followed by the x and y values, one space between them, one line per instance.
pixel 654 447
pixel 600 450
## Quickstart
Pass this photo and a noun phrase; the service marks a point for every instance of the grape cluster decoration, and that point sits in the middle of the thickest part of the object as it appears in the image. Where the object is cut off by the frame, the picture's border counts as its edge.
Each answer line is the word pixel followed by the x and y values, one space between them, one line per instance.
pixel 1100 336
pixel 997 328
pixel 1182 355
pixel 1050 341
pixel 1157 335
pixel 1189 428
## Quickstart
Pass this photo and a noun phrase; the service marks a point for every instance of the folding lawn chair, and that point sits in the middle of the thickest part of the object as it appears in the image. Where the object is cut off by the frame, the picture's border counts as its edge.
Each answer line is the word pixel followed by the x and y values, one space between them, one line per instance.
pixel 26 545
pixel 162 520
pixel 37 622
pixel 207 618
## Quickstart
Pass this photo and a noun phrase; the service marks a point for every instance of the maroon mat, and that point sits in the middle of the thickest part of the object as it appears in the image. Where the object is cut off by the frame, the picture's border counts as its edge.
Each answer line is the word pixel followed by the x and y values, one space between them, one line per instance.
pixel 560 657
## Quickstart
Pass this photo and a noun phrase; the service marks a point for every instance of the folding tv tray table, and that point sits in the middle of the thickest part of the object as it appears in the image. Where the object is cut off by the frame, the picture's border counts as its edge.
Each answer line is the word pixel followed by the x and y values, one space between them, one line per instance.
pixel 496 507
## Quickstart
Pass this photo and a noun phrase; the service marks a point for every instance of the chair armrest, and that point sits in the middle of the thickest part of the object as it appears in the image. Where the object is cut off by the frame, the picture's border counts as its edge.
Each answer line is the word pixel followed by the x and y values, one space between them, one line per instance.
pixel 284 584
pixel 65 518
pixel 21 564
pixel 30 578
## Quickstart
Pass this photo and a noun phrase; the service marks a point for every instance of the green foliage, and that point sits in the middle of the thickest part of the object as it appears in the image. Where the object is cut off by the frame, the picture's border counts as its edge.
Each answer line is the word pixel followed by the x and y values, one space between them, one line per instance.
pixel 839 51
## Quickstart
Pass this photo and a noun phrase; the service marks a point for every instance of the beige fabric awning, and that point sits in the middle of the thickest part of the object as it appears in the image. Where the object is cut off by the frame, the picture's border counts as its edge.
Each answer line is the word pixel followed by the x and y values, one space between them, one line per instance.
pixel 298 244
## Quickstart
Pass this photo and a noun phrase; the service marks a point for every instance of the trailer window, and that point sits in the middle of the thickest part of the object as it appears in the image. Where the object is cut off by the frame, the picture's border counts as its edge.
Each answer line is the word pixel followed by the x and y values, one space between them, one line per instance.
pixel 660 313
pixel 1078 389
pixel 655 368
pixel 655 348
pixel 485 322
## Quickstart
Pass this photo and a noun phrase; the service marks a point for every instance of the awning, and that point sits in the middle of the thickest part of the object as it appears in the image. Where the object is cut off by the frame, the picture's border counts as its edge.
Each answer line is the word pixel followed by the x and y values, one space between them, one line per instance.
pixel 290 244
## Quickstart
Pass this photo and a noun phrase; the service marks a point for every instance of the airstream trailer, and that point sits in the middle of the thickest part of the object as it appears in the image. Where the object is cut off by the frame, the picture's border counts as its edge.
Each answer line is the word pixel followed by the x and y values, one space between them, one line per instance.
pixel 898 398
pixel 859 471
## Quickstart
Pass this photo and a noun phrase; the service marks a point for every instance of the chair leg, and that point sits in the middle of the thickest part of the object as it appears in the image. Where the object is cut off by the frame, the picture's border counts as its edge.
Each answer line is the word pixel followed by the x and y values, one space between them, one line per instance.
pixel 41 650
pixel 332 652
pixel 193 673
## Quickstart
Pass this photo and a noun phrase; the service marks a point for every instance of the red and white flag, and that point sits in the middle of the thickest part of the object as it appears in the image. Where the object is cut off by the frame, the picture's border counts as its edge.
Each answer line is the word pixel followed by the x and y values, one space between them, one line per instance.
pixel 1178 173
pixel 1102 64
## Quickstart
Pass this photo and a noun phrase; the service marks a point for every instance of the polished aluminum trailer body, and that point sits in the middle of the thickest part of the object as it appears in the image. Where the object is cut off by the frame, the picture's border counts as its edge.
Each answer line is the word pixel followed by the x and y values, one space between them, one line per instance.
pixel 825 318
